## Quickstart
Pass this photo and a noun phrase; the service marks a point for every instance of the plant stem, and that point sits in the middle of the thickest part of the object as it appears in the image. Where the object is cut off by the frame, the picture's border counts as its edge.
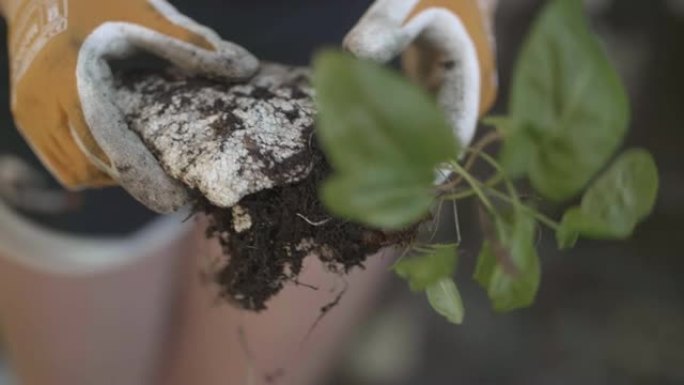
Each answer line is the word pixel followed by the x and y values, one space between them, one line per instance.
pixel 474 151
pixel 512 191
pixel 539 216
pixel 476 187
pixel 500 123
pixel 474 184
pixel 483 143
pixel 467 193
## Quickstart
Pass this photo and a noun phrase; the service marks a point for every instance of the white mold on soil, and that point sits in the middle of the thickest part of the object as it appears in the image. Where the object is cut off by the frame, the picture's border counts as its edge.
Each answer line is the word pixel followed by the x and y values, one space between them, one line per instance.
pixel 225 141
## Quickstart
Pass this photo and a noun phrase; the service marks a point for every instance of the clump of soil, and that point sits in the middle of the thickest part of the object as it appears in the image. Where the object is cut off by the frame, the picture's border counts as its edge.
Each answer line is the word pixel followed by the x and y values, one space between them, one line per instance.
pixel 268 234
pixel 232 143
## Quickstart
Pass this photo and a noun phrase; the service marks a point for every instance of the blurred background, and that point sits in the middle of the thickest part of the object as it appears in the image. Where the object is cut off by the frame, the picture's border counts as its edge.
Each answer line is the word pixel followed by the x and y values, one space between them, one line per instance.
pixel 607 313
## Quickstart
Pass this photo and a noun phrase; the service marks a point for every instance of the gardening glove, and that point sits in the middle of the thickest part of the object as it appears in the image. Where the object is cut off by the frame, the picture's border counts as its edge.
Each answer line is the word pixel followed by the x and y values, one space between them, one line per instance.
pixel 62 97
pixel 447 47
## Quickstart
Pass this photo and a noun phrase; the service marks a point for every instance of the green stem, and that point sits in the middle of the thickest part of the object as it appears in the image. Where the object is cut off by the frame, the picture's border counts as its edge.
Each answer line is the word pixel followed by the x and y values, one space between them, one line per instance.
pixel 457 196
pixel 500 122
pixel 476 189
pixel 539 216
pixel 474 184
pixel 512 191
pixel 460 195
pixel 478 147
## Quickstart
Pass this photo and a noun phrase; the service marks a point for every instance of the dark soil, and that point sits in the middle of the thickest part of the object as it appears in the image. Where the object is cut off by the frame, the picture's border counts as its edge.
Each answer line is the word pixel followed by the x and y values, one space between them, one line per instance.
pixel 289 223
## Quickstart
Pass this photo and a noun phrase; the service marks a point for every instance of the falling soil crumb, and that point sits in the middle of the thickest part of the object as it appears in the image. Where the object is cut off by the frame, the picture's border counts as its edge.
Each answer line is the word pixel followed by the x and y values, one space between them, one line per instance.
pixel 287 224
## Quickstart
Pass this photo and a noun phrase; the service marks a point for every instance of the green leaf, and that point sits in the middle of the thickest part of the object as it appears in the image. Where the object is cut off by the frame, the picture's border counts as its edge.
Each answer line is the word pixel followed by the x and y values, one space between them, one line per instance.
pixel 516 155
pixel 567 234
pixel 370 115
pixel 619 199
pixel 427 270
pixel 384 138
pixel 508 266
pixel 382 198
pixel 569 106
pixel 445 298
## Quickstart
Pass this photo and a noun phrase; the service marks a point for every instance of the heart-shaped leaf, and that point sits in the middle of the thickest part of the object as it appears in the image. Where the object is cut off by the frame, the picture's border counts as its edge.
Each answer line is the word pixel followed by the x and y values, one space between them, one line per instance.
pixel 616 202
pixel 568 106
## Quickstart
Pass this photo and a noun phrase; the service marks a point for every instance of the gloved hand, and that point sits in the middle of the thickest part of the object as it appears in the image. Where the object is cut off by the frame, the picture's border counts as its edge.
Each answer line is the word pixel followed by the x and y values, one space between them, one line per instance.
pixel 447 47
pixel 60 76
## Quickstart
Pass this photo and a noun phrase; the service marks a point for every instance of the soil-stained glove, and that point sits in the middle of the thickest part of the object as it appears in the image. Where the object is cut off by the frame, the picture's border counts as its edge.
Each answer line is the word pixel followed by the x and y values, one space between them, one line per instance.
pixel 447 46
pixel 61 83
